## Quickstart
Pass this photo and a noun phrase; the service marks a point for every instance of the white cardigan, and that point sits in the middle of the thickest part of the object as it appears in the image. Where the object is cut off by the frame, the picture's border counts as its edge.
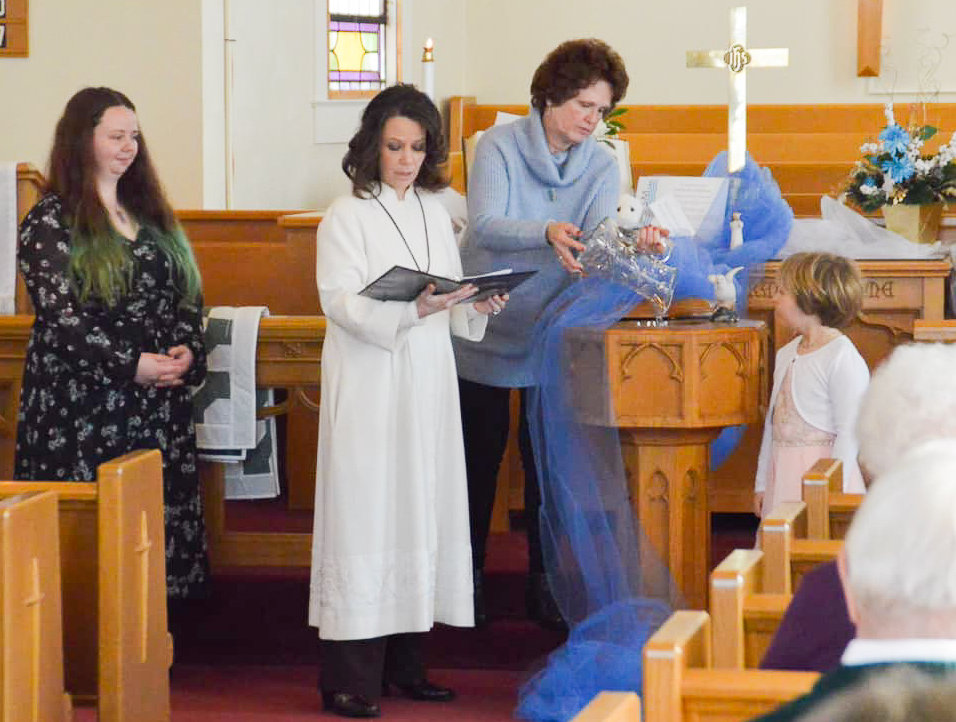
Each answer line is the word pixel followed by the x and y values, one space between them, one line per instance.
pixel 828 386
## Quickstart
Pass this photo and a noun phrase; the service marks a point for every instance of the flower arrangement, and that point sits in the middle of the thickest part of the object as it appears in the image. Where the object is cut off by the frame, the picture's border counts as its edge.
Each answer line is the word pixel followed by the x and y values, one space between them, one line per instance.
pixel 893 171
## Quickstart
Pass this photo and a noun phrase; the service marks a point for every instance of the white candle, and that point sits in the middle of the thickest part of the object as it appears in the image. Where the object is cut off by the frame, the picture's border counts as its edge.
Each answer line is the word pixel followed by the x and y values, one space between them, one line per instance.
pixel 428 69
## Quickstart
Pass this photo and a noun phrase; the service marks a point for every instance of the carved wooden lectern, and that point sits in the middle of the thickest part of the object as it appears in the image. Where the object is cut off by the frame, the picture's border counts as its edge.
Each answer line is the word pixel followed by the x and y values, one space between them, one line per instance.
pixel 670 390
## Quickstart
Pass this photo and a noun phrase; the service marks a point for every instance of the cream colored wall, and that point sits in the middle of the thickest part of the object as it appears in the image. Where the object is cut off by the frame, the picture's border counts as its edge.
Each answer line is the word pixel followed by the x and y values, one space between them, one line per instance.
pixel 490 48
pixel 150 51
pixel 277 162
pixel 653 38
pixel 160 54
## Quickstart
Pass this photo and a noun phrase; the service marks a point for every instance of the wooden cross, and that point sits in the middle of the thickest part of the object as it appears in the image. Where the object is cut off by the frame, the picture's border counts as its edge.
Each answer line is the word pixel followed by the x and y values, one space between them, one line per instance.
pixel 869 29
pixel 736 59
pixel 143 551
pixel 35 600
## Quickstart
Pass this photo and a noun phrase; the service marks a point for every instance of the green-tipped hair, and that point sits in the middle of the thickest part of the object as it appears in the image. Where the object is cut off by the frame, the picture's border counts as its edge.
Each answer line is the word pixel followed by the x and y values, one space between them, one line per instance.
pixel 101 265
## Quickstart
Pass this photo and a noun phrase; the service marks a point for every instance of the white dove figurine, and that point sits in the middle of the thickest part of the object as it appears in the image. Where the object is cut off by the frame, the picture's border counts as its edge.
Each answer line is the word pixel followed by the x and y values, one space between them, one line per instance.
pixel 725 292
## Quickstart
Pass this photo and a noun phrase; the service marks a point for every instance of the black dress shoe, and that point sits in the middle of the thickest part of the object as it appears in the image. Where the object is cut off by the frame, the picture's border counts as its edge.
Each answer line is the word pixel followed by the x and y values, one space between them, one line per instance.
pixel 541 605
pixel 349 705
pixel 423 691
pixel 481 614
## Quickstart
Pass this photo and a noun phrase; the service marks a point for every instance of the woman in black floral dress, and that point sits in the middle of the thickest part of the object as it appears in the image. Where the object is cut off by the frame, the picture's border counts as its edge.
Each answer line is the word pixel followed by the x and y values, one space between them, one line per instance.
pixel 117 339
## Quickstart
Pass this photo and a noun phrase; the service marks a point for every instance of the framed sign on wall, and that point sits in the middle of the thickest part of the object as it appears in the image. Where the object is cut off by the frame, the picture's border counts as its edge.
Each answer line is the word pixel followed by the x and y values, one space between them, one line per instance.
pixel 14 35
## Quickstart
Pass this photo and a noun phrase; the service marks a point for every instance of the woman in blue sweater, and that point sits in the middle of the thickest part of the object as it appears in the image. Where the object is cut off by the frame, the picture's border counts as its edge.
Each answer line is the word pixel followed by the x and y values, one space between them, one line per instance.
pixel 537 184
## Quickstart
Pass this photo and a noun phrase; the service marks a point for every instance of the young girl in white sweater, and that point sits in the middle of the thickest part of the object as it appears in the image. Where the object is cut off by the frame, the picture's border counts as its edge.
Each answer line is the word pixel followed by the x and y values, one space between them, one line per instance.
pixel 818 380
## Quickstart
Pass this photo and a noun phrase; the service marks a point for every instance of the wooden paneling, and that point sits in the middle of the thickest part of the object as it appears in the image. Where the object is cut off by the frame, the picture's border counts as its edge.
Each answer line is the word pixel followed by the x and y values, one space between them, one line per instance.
pixel 611 707
pixel 680 682
pixel 254 258
pixel 810 149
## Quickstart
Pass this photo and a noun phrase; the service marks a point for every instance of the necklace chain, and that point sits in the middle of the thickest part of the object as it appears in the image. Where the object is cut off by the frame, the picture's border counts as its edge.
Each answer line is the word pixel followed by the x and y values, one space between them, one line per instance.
pixel 428 248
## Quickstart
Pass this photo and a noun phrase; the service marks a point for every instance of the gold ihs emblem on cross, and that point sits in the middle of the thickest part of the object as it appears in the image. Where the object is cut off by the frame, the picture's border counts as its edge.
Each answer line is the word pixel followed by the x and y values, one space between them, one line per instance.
pixel 736 59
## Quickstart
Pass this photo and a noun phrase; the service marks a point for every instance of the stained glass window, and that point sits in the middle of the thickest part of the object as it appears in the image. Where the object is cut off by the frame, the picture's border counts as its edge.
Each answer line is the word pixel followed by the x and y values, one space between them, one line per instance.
pixel 357 46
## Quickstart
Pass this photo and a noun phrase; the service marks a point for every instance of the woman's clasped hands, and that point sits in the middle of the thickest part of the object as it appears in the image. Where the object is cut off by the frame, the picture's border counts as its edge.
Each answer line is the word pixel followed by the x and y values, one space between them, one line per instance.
pixel 162 370
pixel 429 302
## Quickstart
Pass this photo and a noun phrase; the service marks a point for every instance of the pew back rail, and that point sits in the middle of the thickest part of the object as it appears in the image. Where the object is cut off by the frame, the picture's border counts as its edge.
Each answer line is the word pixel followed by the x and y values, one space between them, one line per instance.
pixel 810 149
pixel 113 575
pixel 680 683
pixel 31 636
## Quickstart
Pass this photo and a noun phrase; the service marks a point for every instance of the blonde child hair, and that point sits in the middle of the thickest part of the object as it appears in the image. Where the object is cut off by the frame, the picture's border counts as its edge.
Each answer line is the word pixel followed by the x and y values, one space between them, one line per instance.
pixel 824 285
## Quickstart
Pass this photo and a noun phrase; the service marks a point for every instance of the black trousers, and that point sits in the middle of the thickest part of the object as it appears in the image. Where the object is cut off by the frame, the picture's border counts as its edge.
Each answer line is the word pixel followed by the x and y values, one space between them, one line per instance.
pixel 485 416
pixel 360 666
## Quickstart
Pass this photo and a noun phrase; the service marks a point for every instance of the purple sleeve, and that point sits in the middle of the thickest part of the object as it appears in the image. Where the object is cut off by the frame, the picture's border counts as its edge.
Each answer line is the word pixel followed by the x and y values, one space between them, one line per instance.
pixel 815 628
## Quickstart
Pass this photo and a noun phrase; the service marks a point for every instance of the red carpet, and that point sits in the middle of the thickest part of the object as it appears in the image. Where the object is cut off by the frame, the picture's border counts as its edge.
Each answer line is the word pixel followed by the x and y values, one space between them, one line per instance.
pixel 247 653
pixel 218 630
pixel 288 693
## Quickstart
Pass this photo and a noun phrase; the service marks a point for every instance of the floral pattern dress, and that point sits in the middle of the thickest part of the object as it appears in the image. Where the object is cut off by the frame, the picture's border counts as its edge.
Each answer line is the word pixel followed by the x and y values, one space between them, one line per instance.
pixel 79 405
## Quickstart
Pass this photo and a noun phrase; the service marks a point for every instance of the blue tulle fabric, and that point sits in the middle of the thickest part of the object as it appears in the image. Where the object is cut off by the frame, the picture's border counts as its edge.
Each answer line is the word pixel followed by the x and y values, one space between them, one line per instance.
pixel 610 584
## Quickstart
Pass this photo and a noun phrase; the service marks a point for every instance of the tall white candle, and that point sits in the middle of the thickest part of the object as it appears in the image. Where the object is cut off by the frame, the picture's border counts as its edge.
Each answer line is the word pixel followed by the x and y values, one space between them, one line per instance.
pixel 428 69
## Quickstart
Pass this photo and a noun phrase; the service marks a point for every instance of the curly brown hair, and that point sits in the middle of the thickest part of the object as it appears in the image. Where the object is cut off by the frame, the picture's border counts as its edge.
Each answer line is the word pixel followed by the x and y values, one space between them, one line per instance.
pixel 573 66
pixel 361 161
pixel 824 285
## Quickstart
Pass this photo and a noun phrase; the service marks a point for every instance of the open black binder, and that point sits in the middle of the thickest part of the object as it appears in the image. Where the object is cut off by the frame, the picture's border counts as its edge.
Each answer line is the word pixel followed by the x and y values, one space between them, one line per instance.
pixel 404 284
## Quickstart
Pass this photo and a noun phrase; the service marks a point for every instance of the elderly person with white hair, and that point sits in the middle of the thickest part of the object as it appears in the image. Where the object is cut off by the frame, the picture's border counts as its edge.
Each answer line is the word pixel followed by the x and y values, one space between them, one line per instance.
pixel 911 399
pixel 900 694
pixel 900 587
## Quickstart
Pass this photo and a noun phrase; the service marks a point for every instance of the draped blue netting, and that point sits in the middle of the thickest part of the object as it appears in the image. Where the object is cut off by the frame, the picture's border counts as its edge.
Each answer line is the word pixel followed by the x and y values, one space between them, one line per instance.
pixel 611 586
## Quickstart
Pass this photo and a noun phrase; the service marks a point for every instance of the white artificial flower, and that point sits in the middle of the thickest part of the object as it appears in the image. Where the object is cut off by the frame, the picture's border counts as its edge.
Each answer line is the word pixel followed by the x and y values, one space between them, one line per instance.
pixel 888 185
pixel 869 190
pixel 869 148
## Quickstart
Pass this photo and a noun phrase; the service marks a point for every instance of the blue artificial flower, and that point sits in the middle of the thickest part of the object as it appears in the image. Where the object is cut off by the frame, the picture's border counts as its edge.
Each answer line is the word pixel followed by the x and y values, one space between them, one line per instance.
pixel 898 168
pixel 895 139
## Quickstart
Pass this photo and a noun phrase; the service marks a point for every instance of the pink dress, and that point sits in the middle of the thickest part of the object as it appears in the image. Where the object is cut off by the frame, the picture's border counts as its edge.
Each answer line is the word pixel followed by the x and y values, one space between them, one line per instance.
pixel 796 446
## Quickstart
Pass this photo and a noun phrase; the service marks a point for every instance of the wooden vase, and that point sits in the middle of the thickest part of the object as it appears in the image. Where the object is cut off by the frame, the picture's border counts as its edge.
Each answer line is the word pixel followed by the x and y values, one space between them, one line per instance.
pixel 918 223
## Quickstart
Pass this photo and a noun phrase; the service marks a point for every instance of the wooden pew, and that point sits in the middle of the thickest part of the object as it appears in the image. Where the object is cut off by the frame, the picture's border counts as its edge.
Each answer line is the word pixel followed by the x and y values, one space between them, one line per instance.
pixel 744 617
pixel 788 553
pixel 680 682
pixel 934 331
pixel 288 356
pixel 31 635
pixel 810 149
pixel 611 707
pixel 829 510
pixel 113 572
pixel 746 601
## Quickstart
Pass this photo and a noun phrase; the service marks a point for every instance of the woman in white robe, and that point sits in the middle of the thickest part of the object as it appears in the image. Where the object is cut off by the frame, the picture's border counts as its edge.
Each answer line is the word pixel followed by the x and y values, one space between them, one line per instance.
pixel 391 551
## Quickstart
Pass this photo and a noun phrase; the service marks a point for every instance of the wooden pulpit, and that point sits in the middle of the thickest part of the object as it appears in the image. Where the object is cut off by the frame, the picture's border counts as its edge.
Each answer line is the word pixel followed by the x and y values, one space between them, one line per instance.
pixel 670 390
